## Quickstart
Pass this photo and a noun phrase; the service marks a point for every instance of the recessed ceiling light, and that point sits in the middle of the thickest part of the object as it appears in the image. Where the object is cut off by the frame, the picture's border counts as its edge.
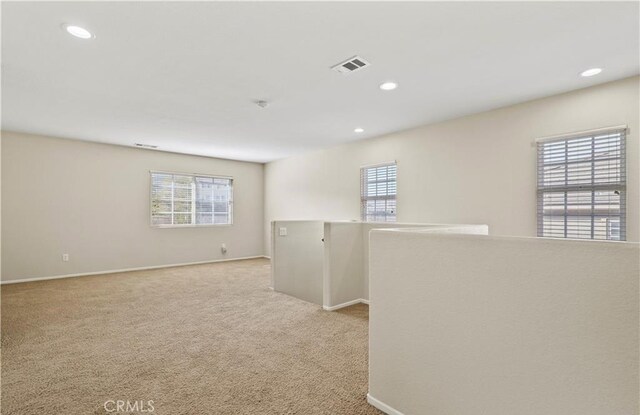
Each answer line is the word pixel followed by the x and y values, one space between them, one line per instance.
pixel 359 130
pixel 591 72
pixel 388 86
pixel 78 31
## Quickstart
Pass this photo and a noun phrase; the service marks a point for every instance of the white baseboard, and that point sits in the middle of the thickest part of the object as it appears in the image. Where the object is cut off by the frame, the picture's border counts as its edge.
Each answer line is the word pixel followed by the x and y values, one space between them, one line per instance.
pixel 114 271
pixel 382 406
pixel 347 304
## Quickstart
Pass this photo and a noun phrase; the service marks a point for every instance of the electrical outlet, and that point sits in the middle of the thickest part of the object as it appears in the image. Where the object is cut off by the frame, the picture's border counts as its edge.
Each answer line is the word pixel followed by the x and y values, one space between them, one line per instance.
pixel 223 248
pixel 283 231
pixel 65 257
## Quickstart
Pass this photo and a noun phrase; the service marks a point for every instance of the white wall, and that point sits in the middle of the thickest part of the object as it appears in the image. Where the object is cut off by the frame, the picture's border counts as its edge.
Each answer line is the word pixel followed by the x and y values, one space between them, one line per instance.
pixel 476 169
pixel 297 259
pixel 346 270
pixel 471 325
pixel 92 201
pixel 343 271
pixel 431 227
pixel 0 207
pixel 334 273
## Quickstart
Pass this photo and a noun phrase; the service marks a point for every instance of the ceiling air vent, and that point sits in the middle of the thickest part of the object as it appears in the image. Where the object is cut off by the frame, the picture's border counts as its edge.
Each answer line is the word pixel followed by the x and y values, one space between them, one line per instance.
pixel 351 65
pixel 145 145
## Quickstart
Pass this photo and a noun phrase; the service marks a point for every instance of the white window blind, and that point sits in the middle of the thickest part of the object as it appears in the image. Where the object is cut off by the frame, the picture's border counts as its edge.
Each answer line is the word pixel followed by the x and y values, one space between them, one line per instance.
pixel 188 200
pixel 582 186
pixel 378 193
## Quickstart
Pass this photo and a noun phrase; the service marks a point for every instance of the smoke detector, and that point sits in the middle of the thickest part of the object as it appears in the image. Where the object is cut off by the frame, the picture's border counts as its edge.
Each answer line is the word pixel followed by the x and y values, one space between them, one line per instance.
pixel 351 65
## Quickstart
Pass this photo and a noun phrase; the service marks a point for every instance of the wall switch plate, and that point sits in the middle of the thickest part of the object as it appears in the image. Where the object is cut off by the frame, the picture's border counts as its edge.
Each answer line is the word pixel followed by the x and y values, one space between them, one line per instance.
pixel 65 257
pixel 282 231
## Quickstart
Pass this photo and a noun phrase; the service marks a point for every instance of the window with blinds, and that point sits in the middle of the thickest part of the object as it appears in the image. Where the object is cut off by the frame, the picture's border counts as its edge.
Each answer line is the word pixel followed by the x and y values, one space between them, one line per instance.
pixel 582 186
pixel 190 200
pixel 378 191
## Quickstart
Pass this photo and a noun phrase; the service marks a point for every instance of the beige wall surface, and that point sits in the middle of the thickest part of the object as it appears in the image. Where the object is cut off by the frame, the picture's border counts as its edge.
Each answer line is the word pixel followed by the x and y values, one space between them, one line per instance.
pixel 467 325
pixel 476 169
pixel 92 201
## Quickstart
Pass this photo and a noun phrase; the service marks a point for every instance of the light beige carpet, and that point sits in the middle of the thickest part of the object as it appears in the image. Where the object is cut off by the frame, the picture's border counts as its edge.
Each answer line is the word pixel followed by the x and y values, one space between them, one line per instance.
pixel 204 339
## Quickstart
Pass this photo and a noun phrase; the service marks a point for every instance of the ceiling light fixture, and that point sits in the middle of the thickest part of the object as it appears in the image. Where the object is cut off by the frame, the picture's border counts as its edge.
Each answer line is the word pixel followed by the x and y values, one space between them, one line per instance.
pixel 591 72
pixel 388 86
pixel 77 31
pixel 359 130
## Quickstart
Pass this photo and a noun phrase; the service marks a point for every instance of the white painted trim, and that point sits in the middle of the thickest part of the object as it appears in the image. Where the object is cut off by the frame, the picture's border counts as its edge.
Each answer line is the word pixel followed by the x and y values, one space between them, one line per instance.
pixel 384 163
pixel 579 133
pixel 382 406
pixel 115 271
pixel 207 175
pixel 347 304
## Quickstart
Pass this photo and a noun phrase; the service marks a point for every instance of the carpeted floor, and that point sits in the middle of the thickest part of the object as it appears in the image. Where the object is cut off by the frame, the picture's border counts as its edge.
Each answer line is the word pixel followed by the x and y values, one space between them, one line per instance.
pixel 203 339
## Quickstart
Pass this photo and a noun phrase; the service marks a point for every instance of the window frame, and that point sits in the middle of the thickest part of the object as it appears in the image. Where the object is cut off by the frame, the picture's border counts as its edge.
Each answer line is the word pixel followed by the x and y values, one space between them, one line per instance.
pixel 363 200
pixel 619 186
pixel 193 177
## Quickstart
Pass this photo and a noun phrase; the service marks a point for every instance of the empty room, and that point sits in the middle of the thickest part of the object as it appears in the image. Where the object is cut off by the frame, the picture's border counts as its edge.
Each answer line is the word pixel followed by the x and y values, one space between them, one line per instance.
pixel 320 208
